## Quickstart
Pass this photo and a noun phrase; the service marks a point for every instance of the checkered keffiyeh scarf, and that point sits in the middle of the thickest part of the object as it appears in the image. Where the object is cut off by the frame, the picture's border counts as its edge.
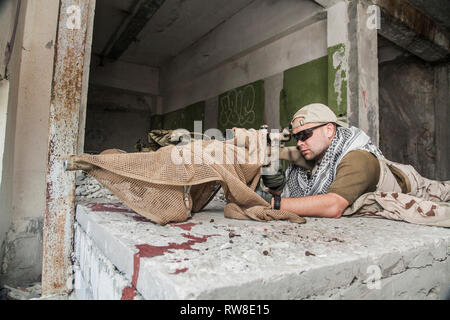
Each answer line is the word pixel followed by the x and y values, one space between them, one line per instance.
pixel 344 141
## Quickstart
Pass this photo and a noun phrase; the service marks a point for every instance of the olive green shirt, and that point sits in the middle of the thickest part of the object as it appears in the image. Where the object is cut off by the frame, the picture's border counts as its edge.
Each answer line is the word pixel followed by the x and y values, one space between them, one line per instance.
pixel 356 174
pixel 359 173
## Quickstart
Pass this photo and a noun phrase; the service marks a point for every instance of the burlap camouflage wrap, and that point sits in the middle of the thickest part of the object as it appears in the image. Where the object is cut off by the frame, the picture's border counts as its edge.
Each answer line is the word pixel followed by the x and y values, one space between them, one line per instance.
pixel 170 183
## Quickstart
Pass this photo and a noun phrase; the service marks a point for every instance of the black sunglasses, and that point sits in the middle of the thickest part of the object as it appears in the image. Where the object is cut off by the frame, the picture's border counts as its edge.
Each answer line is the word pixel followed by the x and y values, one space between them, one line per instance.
pixel 306 134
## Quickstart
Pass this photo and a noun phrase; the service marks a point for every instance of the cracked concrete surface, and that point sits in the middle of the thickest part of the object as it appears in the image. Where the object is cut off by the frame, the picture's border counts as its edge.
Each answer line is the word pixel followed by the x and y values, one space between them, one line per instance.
pixel 211 257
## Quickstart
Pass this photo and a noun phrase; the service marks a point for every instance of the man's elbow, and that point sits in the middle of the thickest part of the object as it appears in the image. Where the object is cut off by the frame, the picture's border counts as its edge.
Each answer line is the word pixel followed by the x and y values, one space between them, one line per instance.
pixel 336 213
pixel 338 207
pixel 332 212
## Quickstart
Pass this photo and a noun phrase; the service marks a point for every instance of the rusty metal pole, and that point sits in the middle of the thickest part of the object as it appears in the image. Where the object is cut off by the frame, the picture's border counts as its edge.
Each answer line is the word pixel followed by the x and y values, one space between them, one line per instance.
pixel 68 90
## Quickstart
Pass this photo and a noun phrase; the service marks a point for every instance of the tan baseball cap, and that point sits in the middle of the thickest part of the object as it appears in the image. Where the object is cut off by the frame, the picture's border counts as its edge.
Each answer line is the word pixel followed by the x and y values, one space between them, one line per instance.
pixel 316 112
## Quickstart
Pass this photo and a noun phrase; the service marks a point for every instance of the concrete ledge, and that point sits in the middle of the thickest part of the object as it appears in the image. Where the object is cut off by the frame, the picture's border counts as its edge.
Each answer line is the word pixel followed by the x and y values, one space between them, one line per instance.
pixel 211 257
pixel 96 278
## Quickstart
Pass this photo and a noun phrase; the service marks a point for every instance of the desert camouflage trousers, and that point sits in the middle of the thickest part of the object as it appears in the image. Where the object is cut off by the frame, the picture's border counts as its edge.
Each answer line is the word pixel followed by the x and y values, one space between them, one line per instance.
pixel 426 201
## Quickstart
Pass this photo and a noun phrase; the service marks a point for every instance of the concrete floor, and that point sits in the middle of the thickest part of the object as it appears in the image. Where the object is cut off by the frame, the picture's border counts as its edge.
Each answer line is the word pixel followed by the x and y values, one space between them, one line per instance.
pixel 119 255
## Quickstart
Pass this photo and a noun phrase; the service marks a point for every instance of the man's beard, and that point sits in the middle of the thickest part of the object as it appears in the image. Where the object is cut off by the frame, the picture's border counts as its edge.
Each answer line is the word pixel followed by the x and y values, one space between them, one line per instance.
pixel 316 158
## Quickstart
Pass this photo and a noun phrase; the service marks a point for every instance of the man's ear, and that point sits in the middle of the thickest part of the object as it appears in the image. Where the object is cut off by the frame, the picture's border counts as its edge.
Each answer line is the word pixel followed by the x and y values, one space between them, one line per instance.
pixel 330 130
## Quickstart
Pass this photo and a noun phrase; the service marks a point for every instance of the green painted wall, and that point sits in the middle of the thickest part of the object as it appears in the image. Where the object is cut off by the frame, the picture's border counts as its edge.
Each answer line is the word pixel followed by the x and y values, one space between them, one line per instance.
pixel 180 119
pixel 337 80
pixel 242 107
pixel 302 85
pixel 312 82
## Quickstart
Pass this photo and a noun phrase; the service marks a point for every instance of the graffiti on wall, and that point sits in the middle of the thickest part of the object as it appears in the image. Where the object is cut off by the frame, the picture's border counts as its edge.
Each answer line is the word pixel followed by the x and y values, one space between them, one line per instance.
pixel 242 107
pixel 237 107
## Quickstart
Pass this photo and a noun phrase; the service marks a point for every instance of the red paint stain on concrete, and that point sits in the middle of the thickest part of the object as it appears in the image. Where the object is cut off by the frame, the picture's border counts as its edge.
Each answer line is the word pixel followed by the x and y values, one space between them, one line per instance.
pixel 116 207
pixel 364 98
pixel 141 219
pixel 109 207
pixel 149 251
pixel 180 271
pixel 128 293
pixel 185 226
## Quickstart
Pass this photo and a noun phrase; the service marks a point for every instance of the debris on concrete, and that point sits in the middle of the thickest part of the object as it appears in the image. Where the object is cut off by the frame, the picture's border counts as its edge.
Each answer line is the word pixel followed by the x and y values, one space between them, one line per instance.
pixel 220 197
pixel 232 234
pixel 28 293
pixel 88 188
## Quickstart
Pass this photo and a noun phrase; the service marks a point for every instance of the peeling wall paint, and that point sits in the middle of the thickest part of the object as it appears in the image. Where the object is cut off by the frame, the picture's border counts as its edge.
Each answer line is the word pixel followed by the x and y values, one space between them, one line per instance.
pixel 337 79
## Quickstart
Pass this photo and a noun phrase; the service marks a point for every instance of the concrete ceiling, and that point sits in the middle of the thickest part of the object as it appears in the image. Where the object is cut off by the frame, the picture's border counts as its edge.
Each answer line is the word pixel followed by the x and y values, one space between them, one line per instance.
pixel 437 10
pixel 109 15
pixel 170 26
pixel 174 26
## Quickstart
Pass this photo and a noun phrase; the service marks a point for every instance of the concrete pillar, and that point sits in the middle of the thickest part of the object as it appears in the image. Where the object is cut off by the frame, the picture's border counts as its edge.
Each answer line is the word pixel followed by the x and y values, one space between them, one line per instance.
pixel 5 212
pixel 367 71
pixel 9 73
pixel 67 90
pixel 85 86
pixel 353 64
pixel 22 193
pixel 4 90
pixel 30 156
pixel 338 44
